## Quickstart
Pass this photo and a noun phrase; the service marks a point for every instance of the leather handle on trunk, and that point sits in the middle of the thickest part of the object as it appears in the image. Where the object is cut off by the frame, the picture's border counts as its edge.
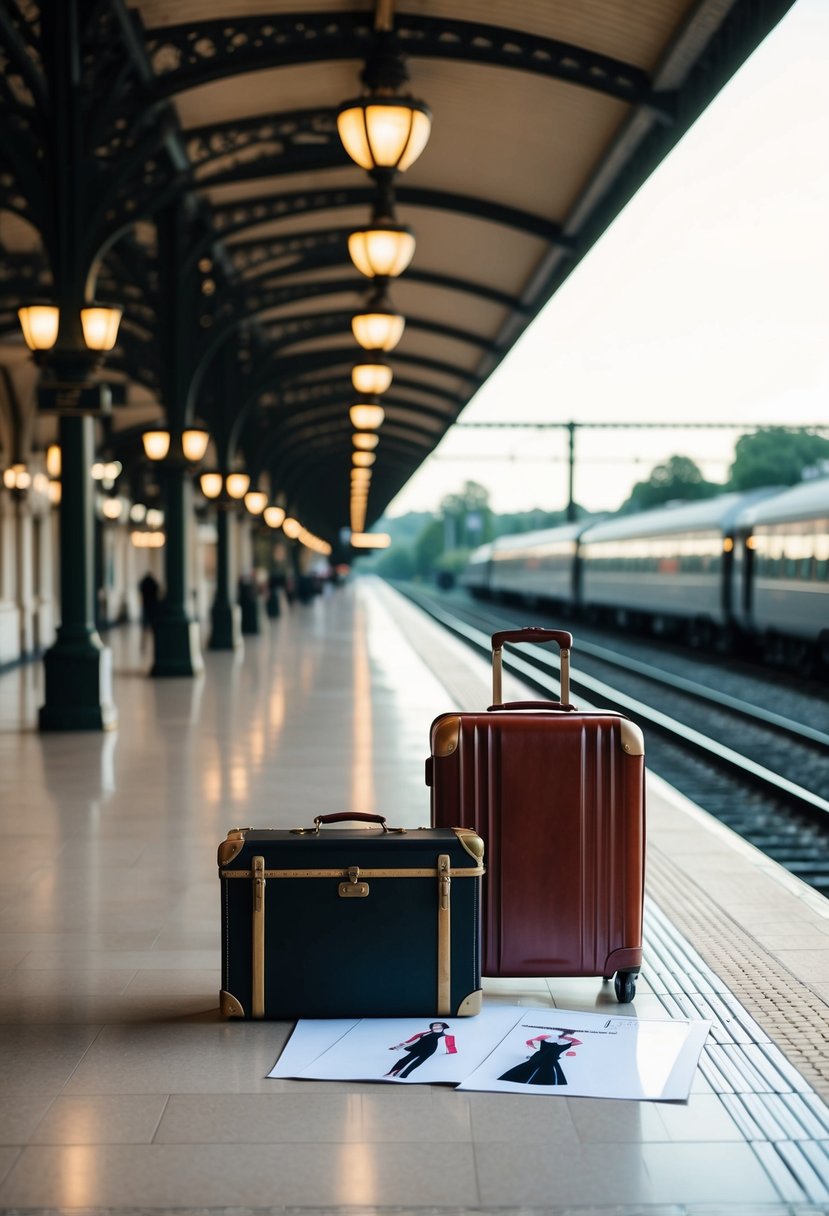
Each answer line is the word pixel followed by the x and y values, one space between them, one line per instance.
pixel 342 816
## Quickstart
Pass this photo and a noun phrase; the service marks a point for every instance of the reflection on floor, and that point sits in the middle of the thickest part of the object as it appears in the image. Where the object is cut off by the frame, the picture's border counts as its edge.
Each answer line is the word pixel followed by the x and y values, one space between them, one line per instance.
pixel 123 1088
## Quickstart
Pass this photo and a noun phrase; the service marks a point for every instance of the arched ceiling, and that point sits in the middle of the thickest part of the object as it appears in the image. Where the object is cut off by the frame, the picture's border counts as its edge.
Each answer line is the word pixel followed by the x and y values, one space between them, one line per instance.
pixel 218 200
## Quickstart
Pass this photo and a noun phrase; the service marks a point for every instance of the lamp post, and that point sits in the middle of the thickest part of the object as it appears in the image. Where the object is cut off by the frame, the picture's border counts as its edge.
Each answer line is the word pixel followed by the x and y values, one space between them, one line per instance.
pixel 70 335
pixel 177 649
pixel 225 491
pixel 68 345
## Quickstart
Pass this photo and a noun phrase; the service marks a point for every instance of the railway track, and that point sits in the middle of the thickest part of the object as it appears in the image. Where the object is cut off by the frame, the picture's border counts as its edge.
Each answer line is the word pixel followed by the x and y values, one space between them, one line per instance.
pixel 756 769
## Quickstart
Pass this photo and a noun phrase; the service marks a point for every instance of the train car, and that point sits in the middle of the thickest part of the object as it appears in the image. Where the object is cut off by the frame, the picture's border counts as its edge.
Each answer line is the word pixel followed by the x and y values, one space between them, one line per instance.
pixel 538 566
pixel 670 568
pixel 784 547
pixel 475 577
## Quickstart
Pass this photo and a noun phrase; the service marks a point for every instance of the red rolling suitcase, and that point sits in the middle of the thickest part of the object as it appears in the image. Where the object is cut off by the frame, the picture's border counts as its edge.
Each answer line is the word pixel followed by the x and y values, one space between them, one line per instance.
pixel 558 795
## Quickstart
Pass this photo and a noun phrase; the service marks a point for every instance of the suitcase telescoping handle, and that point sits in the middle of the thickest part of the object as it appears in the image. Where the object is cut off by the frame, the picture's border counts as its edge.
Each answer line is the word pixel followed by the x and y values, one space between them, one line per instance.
pixel 531 634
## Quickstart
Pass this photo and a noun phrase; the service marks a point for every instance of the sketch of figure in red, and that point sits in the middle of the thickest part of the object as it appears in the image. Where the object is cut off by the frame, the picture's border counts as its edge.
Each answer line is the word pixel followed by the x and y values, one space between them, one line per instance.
pixel 544 1067
pixel 420 1047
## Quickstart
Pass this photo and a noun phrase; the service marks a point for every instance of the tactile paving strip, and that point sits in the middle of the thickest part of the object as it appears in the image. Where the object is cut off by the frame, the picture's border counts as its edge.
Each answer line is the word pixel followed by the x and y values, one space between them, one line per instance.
pixel 794 1016
pixel 778 1112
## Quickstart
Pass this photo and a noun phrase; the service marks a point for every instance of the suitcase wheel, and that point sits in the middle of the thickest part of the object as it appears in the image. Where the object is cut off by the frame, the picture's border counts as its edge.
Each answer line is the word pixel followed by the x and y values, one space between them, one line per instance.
pixel 625 986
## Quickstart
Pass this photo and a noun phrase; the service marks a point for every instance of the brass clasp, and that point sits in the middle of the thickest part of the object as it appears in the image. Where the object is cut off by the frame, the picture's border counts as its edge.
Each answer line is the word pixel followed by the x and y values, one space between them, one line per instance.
pixel 353 889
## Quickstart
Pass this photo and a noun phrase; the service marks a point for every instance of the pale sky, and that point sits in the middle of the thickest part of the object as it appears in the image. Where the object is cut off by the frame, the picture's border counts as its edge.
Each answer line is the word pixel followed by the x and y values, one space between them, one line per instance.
pixel 707 300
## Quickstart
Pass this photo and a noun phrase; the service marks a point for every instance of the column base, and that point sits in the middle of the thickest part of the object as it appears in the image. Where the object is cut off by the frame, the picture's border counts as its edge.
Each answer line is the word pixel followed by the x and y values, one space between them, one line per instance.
pixel 78 683
pixel 177 648
pixel 225 628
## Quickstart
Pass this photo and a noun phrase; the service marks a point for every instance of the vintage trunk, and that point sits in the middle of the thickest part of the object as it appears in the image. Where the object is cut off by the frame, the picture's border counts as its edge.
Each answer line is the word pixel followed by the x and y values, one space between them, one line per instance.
pixel 330 922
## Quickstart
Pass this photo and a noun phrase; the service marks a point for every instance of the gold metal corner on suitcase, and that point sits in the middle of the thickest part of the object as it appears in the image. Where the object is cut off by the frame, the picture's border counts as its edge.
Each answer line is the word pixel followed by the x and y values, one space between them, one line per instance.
pixel 444 934
pixel 232 846
pixel 471 1005
pixel 258 954
pixel 633 741
pixel 446 735
pixel 471 842
pixel 229 1006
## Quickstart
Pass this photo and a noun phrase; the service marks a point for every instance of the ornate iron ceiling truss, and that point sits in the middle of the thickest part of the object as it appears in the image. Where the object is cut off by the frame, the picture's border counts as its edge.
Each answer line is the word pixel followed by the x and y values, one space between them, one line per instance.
pixel 229 309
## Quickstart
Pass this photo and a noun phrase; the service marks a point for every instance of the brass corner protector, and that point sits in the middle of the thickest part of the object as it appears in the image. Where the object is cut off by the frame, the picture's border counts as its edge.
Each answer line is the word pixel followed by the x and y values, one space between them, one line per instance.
pixel 471 1005
pixel 232 846
pixel 229 1006
pixel 633 741
pixel 471 842
pixel 446 734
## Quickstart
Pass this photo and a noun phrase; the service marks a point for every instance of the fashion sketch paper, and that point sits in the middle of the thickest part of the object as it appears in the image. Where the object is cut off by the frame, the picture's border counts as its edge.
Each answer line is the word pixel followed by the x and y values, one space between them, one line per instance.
pixel 592 1055
pixel 444 1049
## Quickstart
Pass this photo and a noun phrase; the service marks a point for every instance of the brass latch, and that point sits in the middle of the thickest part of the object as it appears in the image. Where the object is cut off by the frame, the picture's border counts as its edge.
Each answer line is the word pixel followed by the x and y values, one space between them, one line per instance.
pixel 353 889
pixel 445 880
pixel 258 884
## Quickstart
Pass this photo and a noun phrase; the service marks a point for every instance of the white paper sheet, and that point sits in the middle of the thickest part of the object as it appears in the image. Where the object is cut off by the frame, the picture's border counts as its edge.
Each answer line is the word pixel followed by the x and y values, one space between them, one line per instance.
pixel 592 1055
pixel 310 1038
pixel 505 1049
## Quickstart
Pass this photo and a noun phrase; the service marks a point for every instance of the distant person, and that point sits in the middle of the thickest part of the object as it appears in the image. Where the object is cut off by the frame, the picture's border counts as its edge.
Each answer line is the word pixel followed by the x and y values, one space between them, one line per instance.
pixel 149 589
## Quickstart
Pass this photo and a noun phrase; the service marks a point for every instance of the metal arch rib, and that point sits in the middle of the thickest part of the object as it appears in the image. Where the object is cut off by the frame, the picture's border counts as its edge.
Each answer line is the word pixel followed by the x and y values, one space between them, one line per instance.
pixel 230 218
pixel 186 56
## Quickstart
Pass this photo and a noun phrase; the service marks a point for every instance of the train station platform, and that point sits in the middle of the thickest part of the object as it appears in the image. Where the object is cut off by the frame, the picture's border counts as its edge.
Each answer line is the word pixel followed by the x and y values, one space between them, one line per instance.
pixel 122 1087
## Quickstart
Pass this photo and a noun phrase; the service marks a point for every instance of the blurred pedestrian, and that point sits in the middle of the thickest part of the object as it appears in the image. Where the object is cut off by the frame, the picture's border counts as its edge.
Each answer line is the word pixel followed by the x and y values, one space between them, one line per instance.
pixel 149 590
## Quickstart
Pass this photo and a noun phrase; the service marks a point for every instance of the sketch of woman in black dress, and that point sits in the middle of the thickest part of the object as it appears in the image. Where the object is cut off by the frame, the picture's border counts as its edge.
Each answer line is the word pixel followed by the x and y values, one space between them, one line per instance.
pixel 420 1047
pixel 543 1067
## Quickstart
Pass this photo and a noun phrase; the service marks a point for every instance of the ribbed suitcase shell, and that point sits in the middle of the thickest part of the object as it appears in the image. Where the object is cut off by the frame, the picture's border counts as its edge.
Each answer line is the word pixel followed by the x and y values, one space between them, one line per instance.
pixel 560 802
pixel 327 956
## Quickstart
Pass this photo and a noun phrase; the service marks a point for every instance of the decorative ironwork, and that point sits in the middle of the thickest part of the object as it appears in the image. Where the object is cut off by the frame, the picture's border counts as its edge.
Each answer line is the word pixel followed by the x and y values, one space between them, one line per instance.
pixel 188 55
pixel 265 147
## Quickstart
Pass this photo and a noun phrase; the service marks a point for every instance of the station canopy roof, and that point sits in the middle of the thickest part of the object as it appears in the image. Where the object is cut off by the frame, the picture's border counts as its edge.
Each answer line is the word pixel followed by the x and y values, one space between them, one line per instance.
pixel 216 121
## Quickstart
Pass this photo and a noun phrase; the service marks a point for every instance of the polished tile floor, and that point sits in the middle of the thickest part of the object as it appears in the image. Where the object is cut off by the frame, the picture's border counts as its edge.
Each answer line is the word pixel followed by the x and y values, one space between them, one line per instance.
pixel 122 1088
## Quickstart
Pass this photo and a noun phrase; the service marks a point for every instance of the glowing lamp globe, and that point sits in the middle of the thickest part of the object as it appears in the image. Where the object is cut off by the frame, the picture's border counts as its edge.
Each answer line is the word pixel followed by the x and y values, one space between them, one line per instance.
pixel 366 417
pixel 382 250
pixel 384 132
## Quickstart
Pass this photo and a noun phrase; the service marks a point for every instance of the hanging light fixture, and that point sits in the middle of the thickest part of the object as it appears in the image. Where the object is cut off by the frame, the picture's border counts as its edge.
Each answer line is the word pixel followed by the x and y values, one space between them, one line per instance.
pixel 364 442
pixel 112 508
pixel 366 416
pixel 379 327
pixel 362 460
pixel 382 250
pixel 194 441
pixel 273 516
pixel 372 376
pixel 40 323
pixel 256 501
pixel 156 443
pixel 237 484
pixel 211 484
pixel 100 326
pixel 291 528
pixel 53 460
pixel 382 130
